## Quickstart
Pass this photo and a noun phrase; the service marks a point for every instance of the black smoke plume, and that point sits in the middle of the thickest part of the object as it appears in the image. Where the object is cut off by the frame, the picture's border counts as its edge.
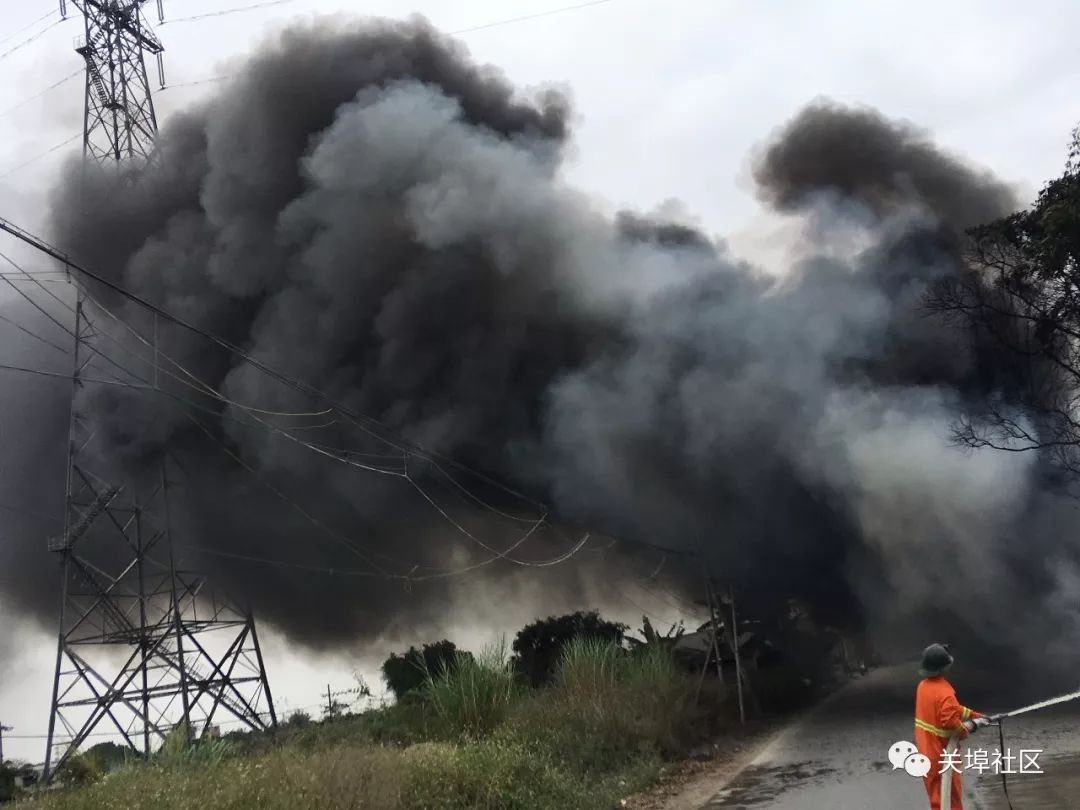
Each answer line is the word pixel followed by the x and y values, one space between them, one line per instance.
pixel 367 210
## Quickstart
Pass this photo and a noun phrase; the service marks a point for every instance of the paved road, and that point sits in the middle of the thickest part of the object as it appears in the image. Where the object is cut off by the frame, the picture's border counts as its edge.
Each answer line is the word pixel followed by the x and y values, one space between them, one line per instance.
pixel 835 757
pixel 1055 732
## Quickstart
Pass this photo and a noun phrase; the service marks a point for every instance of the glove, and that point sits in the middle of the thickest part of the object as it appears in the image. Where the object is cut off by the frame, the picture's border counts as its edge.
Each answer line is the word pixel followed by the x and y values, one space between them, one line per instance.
pixel 981 722
pixel 970 726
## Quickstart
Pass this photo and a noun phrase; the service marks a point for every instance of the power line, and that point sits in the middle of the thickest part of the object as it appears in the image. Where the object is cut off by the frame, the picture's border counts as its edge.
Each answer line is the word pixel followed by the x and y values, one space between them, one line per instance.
pixel 155 388
pixel 32 334
pixel 368 424
pixel 31 39
pixel 469 30
pixel 30 300
pixel 28 26
pixel 211 80
pixel 38 157
pixel 525 17
pixel 227 11
pixel 40 93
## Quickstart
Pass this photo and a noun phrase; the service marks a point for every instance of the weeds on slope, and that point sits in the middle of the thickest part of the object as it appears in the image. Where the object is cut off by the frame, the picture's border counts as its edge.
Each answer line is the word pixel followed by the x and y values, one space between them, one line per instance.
pixel 472 738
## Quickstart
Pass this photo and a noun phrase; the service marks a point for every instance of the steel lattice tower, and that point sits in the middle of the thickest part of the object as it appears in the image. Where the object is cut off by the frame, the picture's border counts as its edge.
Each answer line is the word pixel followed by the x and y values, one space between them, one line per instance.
pixel 119 122
pixel 143 647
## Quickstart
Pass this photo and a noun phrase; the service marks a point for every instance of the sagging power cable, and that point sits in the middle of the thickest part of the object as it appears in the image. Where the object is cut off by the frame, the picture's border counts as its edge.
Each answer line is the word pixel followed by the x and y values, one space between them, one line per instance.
pixel 369 424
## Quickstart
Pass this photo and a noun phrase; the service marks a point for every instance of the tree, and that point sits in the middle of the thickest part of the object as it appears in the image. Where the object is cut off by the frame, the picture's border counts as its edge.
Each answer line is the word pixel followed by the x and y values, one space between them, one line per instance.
pixel 407 672
pixel 538 646
pixel 1020 299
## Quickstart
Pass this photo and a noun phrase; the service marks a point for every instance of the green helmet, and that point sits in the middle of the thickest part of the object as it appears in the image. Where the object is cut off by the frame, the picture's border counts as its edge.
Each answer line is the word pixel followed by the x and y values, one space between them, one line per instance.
pixel 935 660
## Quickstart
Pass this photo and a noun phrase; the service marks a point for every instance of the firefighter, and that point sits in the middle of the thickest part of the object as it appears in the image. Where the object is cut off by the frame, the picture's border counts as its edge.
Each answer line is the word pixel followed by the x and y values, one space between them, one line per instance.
pixel 940 723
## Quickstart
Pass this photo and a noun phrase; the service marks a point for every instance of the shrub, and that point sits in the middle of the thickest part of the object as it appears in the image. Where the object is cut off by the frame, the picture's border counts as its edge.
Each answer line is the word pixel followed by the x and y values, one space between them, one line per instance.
pixel 407 672
pixel 538 647
pixel 473 696
pixel 79 770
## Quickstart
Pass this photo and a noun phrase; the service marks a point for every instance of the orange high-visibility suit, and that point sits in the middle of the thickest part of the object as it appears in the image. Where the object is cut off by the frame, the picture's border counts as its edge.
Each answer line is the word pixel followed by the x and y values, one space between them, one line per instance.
pixel 939 719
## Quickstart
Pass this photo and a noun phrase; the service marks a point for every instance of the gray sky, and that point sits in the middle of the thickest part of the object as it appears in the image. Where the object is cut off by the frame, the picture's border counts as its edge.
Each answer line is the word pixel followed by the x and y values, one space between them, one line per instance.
pixel 671 97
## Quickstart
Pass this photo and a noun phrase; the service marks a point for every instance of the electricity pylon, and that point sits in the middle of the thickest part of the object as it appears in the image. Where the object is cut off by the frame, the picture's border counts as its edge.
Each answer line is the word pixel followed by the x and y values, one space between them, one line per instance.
pixel 143 647
pixel 119 122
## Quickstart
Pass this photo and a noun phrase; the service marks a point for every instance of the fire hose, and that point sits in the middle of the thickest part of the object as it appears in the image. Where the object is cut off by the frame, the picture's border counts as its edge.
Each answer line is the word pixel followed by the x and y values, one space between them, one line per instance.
pixel 997 720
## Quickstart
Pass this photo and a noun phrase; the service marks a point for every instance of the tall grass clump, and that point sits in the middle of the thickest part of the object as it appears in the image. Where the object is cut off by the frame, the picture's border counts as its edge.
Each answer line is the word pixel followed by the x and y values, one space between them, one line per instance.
pixel 176 751
pixel 610 709
pixel 473 696
pixel 589 668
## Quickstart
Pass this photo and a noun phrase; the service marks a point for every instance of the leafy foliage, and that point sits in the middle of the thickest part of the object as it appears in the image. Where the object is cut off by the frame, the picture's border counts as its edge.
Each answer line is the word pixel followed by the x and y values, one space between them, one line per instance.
pixel 1021 301
pixel 408 672
pixel 538 647
pixel 650 636
pixel 79 770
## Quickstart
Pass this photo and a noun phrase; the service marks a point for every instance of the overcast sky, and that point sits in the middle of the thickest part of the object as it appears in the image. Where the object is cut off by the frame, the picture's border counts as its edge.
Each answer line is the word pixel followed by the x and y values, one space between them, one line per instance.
pixel 671 98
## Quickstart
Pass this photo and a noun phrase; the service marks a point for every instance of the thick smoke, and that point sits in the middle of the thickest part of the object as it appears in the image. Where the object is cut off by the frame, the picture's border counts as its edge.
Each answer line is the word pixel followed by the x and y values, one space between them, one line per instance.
pixel 369 211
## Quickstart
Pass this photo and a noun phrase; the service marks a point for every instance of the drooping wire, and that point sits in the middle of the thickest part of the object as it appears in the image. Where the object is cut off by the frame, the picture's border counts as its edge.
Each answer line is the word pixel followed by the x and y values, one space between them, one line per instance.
pixel 40 93
pixel 32 38
pixel 525 17
pixel 227 11
pixel 357 419
pixel 458 32
pixel 39 156
pixel 33 334
pixel 28 26
pixel 496 553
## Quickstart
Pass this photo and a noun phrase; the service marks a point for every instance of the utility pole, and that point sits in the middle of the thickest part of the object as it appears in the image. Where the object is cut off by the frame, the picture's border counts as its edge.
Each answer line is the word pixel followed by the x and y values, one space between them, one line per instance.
pixel 135 632
pixel 3 728
pixel 733 634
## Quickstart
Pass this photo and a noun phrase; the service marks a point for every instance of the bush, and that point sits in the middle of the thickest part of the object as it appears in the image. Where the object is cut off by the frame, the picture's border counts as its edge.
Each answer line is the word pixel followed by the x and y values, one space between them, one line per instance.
pixel 474 695
pixel 406 673
pixel 538 647
pixel 79 770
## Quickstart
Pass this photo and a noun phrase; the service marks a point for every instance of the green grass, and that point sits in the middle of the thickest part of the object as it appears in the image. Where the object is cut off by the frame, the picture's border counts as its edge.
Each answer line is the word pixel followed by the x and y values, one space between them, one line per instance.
pixel 474 696
pixel 610 711
pixel 472 738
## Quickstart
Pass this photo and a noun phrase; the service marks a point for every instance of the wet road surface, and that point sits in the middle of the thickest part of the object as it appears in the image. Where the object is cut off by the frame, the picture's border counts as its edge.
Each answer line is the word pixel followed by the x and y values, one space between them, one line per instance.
pixel 835 758
pixel 1056 734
